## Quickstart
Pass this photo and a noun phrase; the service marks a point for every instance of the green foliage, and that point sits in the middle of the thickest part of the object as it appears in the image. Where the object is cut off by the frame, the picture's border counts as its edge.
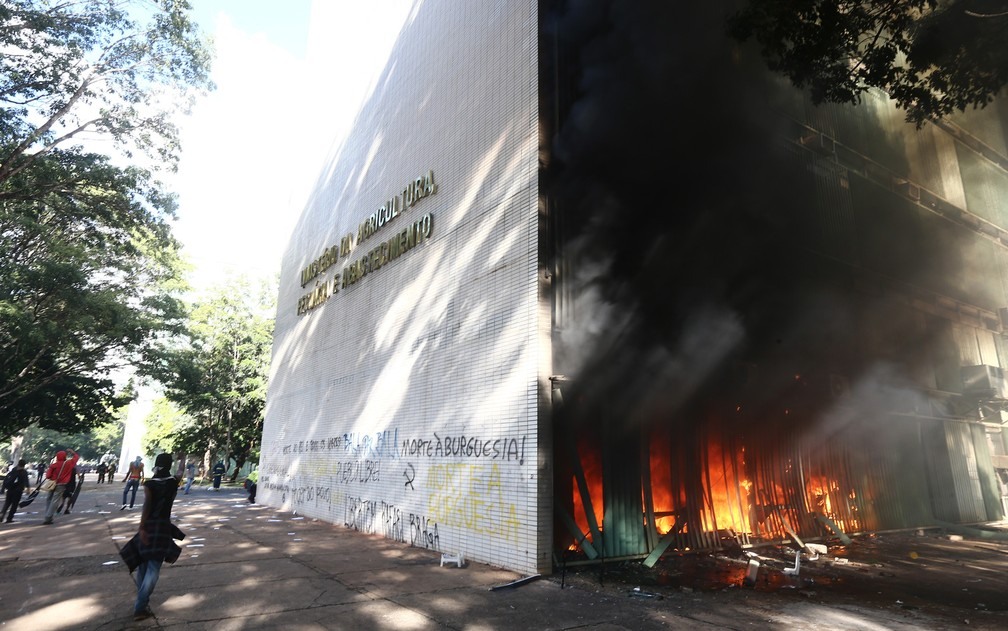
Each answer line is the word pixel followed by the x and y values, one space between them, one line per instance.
pixel 217 374
pixel 88 266
pixel 85 279
pixel 933 57
pixel 164 423
pixel 114 70
pixel 104 439
pixel 41 445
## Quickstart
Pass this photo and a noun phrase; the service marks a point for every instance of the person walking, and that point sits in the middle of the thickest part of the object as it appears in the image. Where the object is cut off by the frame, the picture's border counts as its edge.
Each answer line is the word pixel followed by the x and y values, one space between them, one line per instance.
pixel 218 471
pixel 153 544
pixel 102 470
pixel 39 472
pixel 14 484
pixel 60 472
pixel 68 492
pixel 76 494
pixel 111 472
pixel 133 477
pixel 190 475
pixel 251 484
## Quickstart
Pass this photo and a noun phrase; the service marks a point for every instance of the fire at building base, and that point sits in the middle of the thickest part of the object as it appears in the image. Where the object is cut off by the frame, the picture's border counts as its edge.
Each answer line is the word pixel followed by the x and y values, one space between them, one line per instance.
pixel 801 338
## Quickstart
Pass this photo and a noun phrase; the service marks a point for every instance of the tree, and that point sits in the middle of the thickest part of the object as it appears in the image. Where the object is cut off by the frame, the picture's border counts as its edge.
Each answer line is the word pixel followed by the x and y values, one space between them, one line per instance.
pixel 163 425
pixel 88 266
pixel 217 373
pixel 933 57
pixel 93 67
pixel 86 282
pixel 107 438
pixel 40 445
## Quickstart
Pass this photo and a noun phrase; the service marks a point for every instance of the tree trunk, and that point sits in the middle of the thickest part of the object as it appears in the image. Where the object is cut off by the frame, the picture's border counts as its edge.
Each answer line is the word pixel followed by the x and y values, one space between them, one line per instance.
pixel 239 463
pixel 207 461
pixel 16 443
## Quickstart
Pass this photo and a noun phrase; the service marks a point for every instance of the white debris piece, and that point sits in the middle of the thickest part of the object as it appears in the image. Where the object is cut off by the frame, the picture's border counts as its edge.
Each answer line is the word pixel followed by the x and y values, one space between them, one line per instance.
pixel 452 558
pixel 752 572
pixel 797 565
pixel 815 549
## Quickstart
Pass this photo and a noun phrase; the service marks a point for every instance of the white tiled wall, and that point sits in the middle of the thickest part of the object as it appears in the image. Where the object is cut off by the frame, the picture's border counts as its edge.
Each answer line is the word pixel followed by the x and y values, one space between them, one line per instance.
pixel 406 404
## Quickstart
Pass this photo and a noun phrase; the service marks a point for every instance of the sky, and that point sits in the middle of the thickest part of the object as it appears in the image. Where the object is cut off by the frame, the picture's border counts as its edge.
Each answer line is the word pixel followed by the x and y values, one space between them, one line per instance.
pixel 290 78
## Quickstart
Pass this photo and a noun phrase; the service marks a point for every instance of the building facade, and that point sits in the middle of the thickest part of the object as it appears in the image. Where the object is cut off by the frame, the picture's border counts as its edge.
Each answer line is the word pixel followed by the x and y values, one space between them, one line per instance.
pixel 586 282
pixel 407 368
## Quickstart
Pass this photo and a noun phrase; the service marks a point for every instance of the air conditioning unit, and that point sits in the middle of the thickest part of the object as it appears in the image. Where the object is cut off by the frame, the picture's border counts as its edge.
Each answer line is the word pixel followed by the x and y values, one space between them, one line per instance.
pixel 985 382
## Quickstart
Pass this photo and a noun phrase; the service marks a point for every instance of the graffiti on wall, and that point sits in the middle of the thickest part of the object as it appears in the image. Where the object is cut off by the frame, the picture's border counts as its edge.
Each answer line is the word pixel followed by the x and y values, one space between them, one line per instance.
pixel 378 445
pixel 507 448
pixel 301 494
pixel 456 480
pixel 471 496
pixel 386 445
pixel 374 516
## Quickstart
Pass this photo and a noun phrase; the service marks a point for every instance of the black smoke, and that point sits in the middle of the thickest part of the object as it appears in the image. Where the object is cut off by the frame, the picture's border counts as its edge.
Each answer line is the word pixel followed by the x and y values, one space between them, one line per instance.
pixel 683 214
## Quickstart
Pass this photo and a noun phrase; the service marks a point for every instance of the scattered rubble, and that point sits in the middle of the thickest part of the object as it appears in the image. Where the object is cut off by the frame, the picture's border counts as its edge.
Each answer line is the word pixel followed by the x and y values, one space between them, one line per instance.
pixel 914 571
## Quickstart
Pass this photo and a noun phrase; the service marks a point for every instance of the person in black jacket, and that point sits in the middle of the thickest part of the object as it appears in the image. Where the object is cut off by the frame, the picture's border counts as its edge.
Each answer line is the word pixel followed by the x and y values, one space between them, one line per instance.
pixel 217 472
pixel 14 484
pixel 153 541
pixel 68 492
pixel 71 493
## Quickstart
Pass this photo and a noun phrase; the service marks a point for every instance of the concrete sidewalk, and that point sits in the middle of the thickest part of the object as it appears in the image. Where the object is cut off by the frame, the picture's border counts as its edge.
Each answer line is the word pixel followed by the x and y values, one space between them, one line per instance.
pixel 246 566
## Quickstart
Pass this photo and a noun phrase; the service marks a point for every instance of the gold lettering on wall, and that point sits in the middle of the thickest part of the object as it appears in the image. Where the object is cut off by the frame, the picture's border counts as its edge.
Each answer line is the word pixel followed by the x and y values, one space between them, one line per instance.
pixel 381 254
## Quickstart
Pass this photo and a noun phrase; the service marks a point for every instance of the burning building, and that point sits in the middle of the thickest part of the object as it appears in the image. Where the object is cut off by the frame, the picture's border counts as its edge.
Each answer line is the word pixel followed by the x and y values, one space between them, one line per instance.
pixel 587 282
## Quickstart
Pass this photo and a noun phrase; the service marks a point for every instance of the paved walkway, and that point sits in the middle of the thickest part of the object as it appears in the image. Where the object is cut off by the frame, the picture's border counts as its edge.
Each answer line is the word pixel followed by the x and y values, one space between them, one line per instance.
pixel 247 566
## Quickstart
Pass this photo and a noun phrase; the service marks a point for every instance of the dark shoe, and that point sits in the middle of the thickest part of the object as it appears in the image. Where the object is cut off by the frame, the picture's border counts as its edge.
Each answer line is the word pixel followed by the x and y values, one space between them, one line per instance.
pixel 143 615
pixel 9 520
pixel 48 521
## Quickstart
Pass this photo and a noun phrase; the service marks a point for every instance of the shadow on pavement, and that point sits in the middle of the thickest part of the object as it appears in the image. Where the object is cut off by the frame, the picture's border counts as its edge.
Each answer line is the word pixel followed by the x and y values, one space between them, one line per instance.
pixel 248 566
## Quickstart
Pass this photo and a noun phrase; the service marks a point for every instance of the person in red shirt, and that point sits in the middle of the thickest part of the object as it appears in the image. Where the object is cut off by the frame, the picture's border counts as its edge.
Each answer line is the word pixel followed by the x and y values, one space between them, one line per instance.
pixel 60 471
